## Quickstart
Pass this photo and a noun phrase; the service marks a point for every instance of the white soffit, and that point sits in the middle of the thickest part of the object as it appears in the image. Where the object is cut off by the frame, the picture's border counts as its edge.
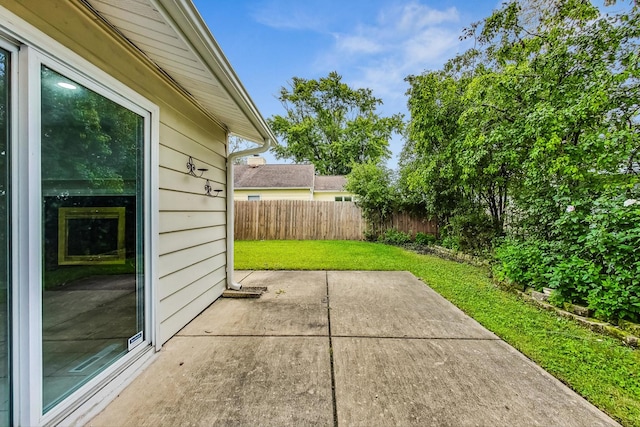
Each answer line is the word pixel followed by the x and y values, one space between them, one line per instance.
pixel 172 34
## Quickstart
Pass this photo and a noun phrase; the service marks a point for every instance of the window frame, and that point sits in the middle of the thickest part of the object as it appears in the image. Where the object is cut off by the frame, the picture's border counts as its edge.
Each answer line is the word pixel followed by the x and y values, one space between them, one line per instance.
pixel 12 123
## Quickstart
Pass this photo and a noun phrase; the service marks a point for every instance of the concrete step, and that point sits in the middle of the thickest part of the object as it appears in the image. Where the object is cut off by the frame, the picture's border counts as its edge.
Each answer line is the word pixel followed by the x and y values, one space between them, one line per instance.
pixel 245 292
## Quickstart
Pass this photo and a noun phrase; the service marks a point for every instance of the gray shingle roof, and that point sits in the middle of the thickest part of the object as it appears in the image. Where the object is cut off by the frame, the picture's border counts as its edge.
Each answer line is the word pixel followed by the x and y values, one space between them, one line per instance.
pixel 330 183
pixel 273 176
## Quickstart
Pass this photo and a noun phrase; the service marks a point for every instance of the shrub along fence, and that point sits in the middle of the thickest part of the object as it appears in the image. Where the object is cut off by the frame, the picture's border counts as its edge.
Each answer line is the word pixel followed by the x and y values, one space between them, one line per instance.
pixel 311 220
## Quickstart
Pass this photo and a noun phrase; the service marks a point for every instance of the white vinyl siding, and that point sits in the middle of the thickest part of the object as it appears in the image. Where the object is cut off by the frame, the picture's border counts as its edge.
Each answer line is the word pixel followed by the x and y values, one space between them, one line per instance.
pixel 289 194
pixel 191 268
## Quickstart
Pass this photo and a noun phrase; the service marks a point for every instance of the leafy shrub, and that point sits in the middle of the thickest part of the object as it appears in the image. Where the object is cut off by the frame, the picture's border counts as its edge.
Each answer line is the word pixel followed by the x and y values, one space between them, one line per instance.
pixel 469 231
pixel 370 235
pixel 524 262
pixel 425 239
pixel 613 243
pixel 593 257
pixel 451 242
pixel 573 278
pixel 394 237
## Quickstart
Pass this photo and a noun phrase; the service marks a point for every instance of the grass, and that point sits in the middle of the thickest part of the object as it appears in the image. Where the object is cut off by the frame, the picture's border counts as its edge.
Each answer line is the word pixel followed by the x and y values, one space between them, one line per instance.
pixel 598 367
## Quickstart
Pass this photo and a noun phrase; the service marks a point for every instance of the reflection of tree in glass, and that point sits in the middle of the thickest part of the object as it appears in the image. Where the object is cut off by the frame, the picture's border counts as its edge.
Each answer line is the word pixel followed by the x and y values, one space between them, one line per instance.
pixel 86 137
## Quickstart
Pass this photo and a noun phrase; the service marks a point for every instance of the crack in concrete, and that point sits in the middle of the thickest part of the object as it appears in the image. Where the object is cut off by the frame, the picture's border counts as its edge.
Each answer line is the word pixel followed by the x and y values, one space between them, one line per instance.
pixel 333 371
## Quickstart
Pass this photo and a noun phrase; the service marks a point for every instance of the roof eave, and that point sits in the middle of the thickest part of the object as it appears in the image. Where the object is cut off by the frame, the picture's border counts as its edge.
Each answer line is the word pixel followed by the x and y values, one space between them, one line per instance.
pixel 186 19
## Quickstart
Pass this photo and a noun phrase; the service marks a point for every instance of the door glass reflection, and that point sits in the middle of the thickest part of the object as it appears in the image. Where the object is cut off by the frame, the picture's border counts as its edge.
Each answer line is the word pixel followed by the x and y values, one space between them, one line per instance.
pixel 92 203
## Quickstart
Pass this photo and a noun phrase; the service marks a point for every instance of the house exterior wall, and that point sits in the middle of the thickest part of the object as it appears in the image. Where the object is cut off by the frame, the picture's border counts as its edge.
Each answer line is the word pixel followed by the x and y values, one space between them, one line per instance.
pixel 329 196
pixel 289 194
pixel 190 227
pixel 274 194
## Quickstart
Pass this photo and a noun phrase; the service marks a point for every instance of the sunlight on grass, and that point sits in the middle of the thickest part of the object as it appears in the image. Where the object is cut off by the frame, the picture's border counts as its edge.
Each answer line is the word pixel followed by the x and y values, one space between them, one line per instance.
pixel 598 367
pixel 315 255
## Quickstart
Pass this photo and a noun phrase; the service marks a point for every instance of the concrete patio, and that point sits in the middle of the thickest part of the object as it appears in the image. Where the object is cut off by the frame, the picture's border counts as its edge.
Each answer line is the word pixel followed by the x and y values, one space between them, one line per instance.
pixel 343 348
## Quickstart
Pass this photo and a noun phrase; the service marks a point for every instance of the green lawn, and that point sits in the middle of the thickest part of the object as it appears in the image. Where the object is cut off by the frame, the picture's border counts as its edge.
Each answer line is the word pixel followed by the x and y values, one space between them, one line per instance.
pixel 598 367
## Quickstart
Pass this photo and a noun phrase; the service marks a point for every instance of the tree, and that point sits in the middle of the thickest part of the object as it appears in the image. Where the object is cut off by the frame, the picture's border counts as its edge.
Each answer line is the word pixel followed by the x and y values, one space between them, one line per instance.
pixel 428 168
pixel 331 125
pixel 543 110
pixel 545 118
pixel 373 185
pixel 564 91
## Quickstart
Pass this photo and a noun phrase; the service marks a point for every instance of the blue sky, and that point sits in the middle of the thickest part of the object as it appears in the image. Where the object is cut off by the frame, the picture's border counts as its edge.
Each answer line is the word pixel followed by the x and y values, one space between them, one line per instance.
pixel 371 43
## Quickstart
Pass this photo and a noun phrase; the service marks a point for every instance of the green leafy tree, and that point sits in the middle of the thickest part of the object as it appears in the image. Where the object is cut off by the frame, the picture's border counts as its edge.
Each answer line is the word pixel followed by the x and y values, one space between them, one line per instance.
pixel 543 110
pixel 564 91
pixel 428 169
pixel 375 193
pixel 87 137
pixel 545 128
pixel 331 125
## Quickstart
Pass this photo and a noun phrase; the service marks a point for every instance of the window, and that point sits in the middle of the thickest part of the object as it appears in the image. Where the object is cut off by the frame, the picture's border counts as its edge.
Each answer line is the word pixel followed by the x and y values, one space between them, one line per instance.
pixel 92 185
pixel 253 198
pixel 343 198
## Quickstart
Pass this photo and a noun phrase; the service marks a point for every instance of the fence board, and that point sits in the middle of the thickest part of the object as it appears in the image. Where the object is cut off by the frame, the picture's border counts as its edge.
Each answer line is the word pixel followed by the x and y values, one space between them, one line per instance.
pixel 313 220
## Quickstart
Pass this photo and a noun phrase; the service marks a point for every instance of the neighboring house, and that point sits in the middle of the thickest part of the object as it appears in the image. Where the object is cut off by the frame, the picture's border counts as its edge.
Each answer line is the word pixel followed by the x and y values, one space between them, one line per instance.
pixel 259 181
pixel 108 246
pixel 331 188
pixel 273 182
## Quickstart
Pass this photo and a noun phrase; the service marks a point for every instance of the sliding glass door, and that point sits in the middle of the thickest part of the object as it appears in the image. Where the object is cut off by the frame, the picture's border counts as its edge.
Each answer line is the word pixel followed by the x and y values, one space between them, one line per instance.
pixel 74 219
pixel 92 180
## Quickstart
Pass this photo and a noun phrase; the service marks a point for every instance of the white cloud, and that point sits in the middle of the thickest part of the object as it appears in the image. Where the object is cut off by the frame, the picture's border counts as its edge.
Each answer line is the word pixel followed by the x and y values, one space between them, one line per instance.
pixel 429 46
pixel 414 16
pixel 376 49
pixel 357 43
pixel 405 39
pixel 290 14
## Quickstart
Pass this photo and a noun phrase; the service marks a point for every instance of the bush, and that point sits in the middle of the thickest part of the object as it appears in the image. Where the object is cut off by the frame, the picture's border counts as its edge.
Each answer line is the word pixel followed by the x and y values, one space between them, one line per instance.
pixel 370 235
pixel 450 242
pixel 523 262
pixel 425 239
pixel 469 231
pixel 593 258
pixel 394 237
pixel 573 278
pixel 613 244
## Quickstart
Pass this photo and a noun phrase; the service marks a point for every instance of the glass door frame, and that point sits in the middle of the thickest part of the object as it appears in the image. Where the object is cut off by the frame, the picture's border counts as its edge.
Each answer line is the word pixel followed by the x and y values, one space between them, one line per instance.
pixel 27 226
pixel 12 125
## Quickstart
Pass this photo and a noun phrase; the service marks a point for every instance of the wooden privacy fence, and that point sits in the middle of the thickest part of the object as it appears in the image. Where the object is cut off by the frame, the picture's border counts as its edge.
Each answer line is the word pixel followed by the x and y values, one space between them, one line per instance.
pixel 311 220
pixel 407 224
